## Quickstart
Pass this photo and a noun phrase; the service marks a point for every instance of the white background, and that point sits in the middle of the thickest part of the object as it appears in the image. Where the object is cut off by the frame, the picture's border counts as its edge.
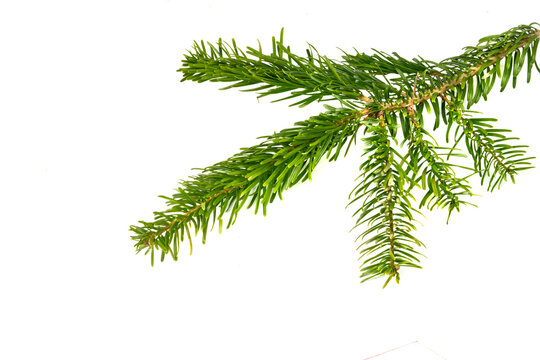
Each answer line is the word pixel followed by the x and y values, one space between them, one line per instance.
pixel 94 124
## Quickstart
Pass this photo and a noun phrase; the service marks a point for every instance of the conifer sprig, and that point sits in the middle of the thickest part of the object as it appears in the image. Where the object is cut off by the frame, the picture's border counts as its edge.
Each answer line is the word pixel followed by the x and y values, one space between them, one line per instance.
pixel 385 207
pixel 251 178
pixel 394 101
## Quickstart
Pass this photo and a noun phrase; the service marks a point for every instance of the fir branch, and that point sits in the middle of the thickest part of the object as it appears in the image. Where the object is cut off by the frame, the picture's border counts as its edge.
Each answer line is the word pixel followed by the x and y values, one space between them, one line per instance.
pixel 257 174
pixel 461 74
pixel 381 92
pixel 444 187
pixel 316 78
pixel 493 158
pixel 385 208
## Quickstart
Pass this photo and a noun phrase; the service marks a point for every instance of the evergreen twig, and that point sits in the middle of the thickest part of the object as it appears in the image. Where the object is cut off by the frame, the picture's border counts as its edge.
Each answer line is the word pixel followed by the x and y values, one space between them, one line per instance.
pixel 385 95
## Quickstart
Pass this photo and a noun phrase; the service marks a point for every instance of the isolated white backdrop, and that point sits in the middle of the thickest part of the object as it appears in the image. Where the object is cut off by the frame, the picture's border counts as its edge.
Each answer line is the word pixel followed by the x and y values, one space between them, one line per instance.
pixel 94 124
